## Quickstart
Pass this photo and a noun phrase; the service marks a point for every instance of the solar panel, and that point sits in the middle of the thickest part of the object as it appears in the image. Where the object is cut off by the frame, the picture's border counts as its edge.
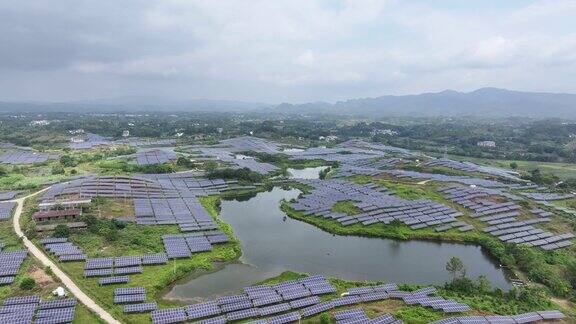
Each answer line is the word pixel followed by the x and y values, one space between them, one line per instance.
pixel 58 303
pixel 123 299
pixel 113 280
pixel 274 309
pixel 304 302
pixel 21 300
pixel 139 308
pixel 316 309
pixel 172 315
pixel 98 273
pixel 201 310
pixel 129 291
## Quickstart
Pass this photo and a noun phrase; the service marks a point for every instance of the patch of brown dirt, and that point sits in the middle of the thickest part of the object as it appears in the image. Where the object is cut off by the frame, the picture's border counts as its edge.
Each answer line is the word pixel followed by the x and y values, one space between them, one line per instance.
pixel 40 276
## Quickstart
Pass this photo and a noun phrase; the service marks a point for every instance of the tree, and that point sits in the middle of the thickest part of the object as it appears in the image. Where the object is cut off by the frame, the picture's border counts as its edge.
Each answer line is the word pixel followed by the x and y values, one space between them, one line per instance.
pixel 210 165
pixel 67 161
pixel 455 267
pixel 514 165
pixel 27 283
pixel 57 169
pixel 61 230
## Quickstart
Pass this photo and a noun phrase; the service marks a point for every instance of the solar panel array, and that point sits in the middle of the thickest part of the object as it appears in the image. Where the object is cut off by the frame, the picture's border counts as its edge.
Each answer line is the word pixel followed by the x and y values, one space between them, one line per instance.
pixel 249 143
pixel 547 196
pixel 63 250
pixel 419 297
pixel 377 205
pixel 173 185
pixel 374 147
pixel 28 309
pixel 227 155
pixel 131 295
pixel 120 266
pixel 366 166
pixel 140 142
pixel 113 280
pixel 486 183
pixel 25 157
pixel 254 302
pixel 187 212
pixel 158 199
pixel 533 317
pixel 183 245
pixel 6 209
pixel 501 216
pixel 473 167
pixel 140 308
pixel 91 140
pixel 94 140
pixel 154 157
pixel 8 195
pixel 11 262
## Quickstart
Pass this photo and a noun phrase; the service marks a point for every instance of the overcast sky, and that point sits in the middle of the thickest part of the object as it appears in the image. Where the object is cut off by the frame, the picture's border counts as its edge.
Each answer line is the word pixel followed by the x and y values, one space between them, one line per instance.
pixel 281 50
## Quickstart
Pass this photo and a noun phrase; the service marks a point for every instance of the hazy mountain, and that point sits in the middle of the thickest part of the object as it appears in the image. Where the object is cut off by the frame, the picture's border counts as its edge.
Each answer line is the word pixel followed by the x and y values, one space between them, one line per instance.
pixel 131 104
pixel 491 102
pixel 485 102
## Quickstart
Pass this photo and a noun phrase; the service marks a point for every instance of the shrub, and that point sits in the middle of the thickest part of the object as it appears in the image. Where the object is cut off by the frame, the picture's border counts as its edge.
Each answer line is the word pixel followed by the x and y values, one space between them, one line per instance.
pixel 27 283
pixel 58 169
pixel 61 230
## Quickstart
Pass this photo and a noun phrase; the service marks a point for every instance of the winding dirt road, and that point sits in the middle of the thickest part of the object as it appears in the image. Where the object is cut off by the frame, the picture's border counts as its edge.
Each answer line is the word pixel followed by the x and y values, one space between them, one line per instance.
pixel 39 254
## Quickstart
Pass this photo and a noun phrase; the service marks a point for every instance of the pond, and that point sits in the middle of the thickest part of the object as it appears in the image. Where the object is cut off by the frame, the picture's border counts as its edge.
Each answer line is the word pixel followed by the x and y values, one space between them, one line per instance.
pixel 307 173
pixel 273 243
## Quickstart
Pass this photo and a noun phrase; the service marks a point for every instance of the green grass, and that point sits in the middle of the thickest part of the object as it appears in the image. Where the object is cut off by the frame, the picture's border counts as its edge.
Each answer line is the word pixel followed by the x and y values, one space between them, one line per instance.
pixel 346 207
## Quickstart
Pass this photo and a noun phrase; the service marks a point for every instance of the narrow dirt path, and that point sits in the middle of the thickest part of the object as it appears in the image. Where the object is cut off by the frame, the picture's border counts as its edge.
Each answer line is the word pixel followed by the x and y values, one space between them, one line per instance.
pixel 45 260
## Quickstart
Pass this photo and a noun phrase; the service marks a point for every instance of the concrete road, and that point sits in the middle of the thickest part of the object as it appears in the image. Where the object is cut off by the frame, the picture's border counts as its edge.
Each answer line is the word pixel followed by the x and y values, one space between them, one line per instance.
pixel 39 254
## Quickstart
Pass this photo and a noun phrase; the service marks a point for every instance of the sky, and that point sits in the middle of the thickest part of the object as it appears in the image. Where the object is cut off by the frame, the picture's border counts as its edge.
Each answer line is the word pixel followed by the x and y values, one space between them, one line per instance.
pixel 281 50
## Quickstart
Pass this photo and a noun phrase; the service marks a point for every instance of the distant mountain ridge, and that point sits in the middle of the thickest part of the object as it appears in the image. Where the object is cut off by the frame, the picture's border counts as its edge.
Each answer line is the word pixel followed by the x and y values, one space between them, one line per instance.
pixel 485 102
pixel 133 104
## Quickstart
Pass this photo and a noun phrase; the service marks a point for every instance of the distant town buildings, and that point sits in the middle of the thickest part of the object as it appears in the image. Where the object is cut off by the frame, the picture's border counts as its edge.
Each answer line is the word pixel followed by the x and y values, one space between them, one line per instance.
pixel 486 144
pixel 329 138
pixel 388 132
pixel 40 122
pixel 76 131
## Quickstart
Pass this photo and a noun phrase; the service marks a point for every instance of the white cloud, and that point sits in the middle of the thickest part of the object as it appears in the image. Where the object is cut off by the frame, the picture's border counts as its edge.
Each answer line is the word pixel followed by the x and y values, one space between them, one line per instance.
pixel 285 50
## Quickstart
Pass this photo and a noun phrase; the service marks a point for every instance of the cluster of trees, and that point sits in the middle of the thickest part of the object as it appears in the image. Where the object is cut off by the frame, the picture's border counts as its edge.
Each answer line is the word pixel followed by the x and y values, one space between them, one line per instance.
pixel 107 228
pixel 243 174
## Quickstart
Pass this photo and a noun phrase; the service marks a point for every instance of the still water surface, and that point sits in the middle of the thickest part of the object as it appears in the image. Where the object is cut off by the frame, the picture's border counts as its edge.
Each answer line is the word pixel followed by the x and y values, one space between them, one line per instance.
pixel 273 243
pixel 307 173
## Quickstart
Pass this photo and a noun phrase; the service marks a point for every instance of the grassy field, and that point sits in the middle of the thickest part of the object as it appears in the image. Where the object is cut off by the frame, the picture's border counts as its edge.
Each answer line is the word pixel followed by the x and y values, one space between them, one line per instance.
pixel 346 207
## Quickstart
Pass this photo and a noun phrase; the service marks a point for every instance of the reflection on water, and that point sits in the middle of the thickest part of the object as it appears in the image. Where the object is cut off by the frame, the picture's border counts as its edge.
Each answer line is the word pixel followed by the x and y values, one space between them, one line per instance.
pixel 307 173
pixel 273 243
